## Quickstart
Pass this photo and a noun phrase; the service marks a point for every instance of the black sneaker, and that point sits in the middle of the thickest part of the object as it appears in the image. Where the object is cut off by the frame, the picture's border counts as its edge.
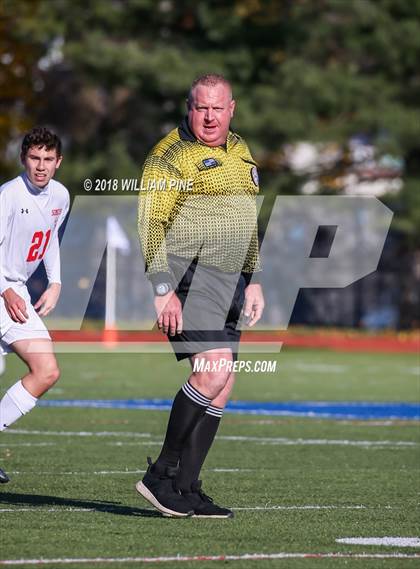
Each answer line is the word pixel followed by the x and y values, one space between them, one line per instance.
pixel 159 489
pixel 3 477
pixel 203 505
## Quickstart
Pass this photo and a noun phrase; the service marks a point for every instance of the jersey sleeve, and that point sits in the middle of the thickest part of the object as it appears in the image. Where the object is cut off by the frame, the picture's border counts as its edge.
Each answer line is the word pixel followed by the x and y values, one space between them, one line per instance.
pixel 5 221
pixel 157 199
pixel 52 256
pixel 252 263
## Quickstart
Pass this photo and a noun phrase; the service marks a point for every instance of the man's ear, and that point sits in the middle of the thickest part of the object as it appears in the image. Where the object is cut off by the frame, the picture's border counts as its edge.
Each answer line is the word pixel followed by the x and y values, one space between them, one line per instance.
pixel 59 160
pixel 232 106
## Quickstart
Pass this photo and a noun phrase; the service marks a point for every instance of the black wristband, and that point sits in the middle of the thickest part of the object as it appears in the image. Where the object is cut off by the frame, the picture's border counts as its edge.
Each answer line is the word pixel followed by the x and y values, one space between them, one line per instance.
pixel 256 277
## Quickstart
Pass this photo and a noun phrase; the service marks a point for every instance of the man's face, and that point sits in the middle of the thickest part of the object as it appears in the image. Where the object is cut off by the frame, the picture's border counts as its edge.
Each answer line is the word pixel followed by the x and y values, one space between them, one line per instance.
pixel 210 113
pixel 40 164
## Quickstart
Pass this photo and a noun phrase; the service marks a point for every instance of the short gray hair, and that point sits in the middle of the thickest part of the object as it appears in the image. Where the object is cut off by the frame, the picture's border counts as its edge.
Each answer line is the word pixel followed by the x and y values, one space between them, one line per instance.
pixel 208 80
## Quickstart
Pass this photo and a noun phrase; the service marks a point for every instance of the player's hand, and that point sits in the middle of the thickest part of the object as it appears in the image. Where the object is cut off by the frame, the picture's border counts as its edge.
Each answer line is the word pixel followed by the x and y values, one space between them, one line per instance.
pixel 15 306
pixel 253 305
pixel 48 300
pixel 169 313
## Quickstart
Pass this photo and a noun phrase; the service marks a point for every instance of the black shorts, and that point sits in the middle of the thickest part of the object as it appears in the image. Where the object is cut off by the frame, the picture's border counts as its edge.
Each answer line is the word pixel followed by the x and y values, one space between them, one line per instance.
pixel 212 302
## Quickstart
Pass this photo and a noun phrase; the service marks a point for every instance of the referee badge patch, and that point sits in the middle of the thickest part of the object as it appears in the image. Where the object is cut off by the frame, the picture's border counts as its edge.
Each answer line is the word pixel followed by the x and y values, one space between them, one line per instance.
pixel 254 175
pixel 210 162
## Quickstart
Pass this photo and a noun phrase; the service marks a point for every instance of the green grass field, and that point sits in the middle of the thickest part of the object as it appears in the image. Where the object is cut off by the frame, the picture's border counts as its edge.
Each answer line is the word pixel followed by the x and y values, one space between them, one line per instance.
pixel 296 484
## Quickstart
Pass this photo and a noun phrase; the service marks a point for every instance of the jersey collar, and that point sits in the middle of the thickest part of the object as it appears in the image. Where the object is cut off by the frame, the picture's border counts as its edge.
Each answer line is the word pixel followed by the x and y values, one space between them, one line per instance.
pixel 35 190
pixel 184 131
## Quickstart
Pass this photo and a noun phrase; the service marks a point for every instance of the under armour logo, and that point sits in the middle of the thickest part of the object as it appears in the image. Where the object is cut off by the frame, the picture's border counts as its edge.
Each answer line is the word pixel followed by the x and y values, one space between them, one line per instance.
pixel 23 210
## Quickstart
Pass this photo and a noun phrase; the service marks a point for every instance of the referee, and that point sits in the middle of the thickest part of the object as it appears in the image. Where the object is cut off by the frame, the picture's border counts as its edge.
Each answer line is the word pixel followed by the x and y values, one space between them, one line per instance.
pixel 198 232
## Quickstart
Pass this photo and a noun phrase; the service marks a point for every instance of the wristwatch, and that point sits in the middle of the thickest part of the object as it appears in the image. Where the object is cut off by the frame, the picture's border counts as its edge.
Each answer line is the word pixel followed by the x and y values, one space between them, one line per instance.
pixel 162 288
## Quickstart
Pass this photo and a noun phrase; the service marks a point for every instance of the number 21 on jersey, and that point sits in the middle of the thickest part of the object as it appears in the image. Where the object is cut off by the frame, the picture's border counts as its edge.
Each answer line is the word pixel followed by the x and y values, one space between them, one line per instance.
pixel 39 245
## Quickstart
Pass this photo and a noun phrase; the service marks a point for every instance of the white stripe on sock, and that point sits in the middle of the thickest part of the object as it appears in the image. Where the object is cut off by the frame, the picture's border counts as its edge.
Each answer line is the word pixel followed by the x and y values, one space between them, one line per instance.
pixel 214 411
pixel 195 395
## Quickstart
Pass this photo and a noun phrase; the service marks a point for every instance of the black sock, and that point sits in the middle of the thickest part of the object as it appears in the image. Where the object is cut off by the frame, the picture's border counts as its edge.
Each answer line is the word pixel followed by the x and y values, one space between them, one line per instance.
pixel 197 446
pixel 188 407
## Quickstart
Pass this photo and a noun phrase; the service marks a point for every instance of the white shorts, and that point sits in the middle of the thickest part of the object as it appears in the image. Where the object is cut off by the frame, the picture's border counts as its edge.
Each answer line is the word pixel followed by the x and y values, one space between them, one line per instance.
pixel 10 331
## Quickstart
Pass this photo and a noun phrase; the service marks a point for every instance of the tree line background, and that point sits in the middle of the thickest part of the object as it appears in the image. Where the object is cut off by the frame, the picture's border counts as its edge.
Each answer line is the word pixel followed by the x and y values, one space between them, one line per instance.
pixel 111 76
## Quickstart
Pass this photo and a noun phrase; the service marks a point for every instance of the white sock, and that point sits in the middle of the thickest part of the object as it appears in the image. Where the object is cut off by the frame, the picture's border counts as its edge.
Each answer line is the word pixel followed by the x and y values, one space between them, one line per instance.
pixel 17 401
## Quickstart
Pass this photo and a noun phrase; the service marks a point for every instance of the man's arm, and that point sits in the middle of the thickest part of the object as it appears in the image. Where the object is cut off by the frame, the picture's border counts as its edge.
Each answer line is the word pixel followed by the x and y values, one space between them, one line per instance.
pixel 254 304
pixel 15 305
pixel 48 300
pixel 169 312
pixel 156 203
pixel 157 200
pixel 13 302
pixel 254 298
pixel 5 219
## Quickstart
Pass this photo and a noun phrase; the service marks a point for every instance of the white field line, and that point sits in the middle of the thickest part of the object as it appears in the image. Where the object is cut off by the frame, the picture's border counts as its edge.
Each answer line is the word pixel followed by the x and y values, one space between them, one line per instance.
pixel 231 469
pixel 40 509
pixel 80 473
pixel 7 445
pixel 300 441
pixel 185 558
pixel 285 442
pixel 351 422
pixel 309 507
pixel 111 472
pixel 266 508
pixel 78 433
pixel 387 541
pixel 370 423
pixel 230 438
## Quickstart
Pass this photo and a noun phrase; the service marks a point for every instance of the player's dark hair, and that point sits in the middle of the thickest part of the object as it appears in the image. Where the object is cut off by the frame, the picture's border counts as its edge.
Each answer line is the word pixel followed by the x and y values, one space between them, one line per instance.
pixel 40 136
pixel 208 80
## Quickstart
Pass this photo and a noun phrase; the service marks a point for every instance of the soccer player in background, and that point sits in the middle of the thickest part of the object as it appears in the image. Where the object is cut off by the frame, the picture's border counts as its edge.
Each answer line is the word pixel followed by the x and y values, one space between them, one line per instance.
pixel 198 231
pixel 32 208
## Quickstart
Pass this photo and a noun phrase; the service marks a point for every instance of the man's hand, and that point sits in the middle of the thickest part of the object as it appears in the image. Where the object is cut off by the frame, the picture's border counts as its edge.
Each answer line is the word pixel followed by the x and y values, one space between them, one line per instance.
pixel 253 305
pixel 169 312
pixel 15 306
pixel 48 299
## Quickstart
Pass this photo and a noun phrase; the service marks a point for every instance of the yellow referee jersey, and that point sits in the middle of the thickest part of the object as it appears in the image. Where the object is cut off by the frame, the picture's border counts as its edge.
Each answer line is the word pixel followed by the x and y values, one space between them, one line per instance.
pixel 199 201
